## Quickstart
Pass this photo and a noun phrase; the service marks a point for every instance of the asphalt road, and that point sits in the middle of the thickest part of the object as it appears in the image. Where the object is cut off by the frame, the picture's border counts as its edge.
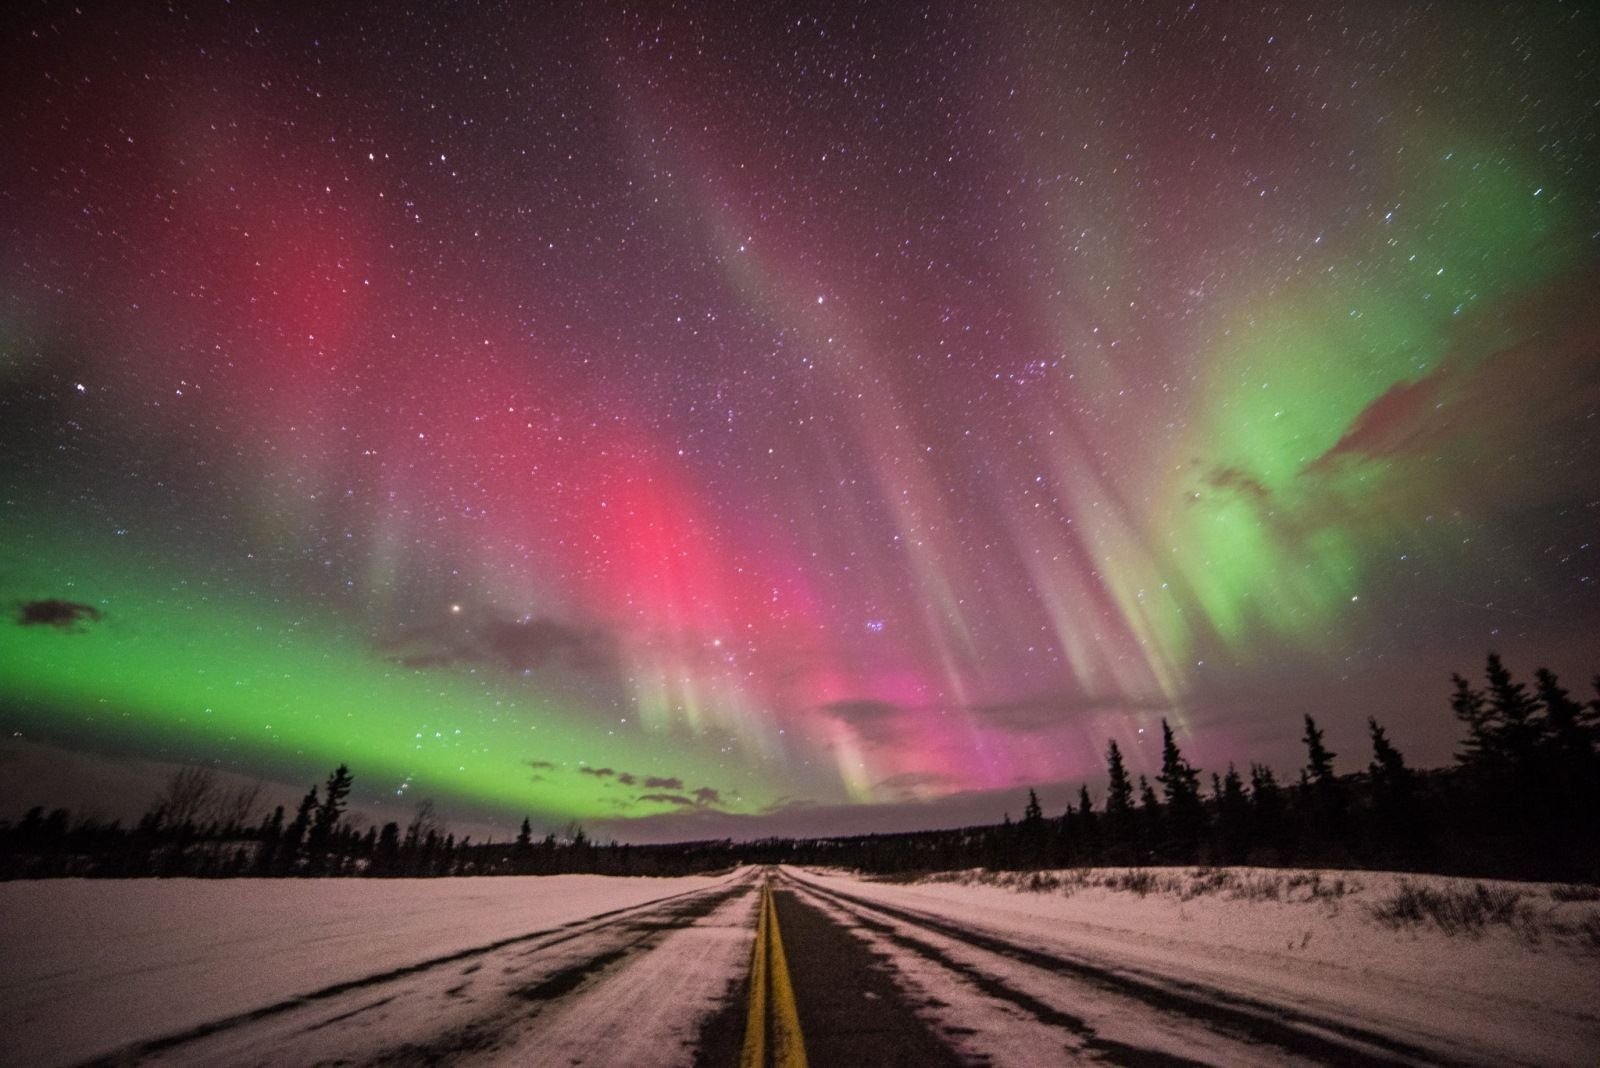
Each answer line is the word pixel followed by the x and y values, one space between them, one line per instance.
pixel 772 969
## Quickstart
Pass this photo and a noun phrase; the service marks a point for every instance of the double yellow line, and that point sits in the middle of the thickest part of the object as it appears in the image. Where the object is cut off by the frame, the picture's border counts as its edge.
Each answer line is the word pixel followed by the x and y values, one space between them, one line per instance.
pixel 771 998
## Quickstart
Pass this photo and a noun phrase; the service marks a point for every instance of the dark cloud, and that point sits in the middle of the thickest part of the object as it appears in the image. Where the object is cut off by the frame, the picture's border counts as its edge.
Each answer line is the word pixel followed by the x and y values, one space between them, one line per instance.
pixel 789 804
pixel 873 721
pixel 704 797
pixel 1524 389
pixel 627 778
pixel 654 782
pixel 541 765
pixel 1237 480
pixel 599 773
pixel 1046 711
pixel 522 645
pixel 668 799
pixel 63 615
pixel 517 645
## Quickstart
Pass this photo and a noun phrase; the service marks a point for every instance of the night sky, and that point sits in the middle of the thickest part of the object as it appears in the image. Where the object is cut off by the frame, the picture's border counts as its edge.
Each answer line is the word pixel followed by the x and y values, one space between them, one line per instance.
pixel 693 420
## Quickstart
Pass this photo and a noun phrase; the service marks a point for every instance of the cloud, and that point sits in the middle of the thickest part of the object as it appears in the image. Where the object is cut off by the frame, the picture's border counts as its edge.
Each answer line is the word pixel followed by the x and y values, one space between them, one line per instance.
pixel 704 797
pixel 1237 480
pixel 599 773
pixel 653 782
pixel 871 720
pixel 525 644
pixel 1046 711
pixel 788 804
pixel 62 615
pixel 627 778
pixel 667 799
pixel 541 765
pixel 915 785
pixel 517 645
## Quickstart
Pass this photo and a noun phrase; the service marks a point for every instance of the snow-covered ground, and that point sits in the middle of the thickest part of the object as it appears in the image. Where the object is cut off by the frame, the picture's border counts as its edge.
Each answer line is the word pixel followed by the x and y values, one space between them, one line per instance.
pixel 92 966
pixel 1148 962
pixel 1525 990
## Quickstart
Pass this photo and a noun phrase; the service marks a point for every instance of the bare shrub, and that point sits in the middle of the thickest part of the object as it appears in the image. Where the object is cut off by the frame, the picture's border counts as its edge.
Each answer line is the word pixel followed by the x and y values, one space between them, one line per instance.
pixel 1138 881
pixel 1574 892
pixel 1589 929
pixel 1203 881
pixel 1452 910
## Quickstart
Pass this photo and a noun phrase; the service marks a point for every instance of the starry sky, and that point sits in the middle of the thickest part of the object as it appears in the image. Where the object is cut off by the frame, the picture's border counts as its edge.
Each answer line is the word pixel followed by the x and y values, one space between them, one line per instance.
pixel 712 420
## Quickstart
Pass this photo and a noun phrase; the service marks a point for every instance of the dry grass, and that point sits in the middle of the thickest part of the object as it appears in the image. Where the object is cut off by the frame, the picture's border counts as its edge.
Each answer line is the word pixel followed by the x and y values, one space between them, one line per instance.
pixel 1452 910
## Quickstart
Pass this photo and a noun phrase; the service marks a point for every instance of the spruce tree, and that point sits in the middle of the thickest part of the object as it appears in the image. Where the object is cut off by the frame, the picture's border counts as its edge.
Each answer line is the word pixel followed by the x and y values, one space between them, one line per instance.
pixel 1088 828
pixel 1266 810
pixel 326 819
pixel 1181 782
pixel 1519 727
pixel 1119 799
pixel 1477 750
pixel 1150 817
pixel 1394 803
pixel 1233 817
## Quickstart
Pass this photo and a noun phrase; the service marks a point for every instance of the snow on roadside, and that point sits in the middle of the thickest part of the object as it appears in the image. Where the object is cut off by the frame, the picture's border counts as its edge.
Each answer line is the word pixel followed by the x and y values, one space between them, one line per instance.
pixel 1517 992
pixel 93 965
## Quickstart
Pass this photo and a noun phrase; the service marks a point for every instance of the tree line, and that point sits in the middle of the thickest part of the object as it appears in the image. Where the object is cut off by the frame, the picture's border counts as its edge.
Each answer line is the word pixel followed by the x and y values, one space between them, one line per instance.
pixel 1521 801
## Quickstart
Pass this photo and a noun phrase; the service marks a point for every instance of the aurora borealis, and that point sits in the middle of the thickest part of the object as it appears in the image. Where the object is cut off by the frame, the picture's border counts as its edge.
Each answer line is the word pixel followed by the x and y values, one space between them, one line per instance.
pixel 679 418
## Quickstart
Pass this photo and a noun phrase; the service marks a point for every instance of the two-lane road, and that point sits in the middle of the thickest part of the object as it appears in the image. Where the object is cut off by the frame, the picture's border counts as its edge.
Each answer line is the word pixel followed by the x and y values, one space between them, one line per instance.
pixel 785 968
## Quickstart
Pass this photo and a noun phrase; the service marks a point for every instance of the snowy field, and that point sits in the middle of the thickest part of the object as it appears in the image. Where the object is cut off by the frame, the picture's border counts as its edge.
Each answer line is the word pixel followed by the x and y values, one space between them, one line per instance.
pixel 1511 976
pixel 92 966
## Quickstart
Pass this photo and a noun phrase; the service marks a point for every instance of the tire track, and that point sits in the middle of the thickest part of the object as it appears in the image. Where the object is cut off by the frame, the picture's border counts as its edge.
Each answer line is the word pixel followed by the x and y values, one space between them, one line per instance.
pixel 1232 1015
pixel 683 907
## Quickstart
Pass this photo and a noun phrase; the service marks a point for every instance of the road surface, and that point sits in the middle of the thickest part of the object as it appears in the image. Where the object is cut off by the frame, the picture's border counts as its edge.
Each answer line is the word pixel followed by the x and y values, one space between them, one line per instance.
pixel 781 968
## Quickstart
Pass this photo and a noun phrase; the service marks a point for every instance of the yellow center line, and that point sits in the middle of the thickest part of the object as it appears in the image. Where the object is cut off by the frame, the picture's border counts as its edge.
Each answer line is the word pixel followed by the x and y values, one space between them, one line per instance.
pixel 754 1054
pixel 770 968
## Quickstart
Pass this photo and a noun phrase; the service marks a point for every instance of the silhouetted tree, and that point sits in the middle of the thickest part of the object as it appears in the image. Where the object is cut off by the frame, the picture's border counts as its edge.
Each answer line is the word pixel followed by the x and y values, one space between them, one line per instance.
pixel 1119 799
pixel 1150 821
pixel 294 836
pixel 1233 817
pixel 1321 793
pixel 1470 708
pixel 1394 796
pixel 1181 783
pixel 326 818
pixel 1268 826
pixel 1518 726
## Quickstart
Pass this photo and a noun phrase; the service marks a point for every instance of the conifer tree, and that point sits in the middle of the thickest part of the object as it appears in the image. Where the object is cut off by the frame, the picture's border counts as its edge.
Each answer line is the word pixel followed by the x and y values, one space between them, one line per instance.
pixel 1150 816
pixel 1088 837
pixel 1119 794
pixel 1394 802
pixel 1519 726
pixel 1233 816
pixel 1471 709
pixel 325 819
pixel 1032 812
pixel 289 854
pixel 1319 760
pixel 1181 782
pixel 1320 790
pixel 1266 809
pixel 1119 799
